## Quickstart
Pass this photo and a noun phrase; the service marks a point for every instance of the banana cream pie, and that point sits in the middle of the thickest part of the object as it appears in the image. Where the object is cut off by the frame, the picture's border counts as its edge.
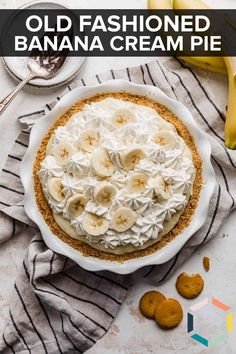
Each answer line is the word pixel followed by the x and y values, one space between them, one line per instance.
pixel 119 175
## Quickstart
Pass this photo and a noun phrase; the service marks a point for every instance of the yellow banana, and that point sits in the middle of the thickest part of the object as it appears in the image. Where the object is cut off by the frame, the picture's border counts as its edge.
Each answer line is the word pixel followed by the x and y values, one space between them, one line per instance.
pixel 190 5
pixel 230 123
pixel 160 4
pixel 215 64
pixel 230 62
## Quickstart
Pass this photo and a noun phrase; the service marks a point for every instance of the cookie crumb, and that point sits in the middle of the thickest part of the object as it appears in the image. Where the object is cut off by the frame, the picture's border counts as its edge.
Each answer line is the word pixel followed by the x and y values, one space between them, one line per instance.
pixel 206 263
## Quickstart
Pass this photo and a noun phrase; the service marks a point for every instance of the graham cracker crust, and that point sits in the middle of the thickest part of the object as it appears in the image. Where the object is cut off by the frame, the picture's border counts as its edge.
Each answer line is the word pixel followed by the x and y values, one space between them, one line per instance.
pixel 184 220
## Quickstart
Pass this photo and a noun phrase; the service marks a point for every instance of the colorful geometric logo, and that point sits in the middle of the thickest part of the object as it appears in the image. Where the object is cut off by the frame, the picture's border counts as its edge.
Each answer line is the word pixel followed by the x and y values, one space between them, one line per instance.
pixel 229 322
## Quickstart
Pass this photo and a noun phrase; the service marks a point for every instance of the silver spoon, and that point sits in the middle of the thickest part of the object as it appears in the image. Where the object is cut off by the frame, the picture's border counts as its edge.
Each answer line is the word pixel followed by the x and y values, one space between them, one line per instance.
pixel 40 67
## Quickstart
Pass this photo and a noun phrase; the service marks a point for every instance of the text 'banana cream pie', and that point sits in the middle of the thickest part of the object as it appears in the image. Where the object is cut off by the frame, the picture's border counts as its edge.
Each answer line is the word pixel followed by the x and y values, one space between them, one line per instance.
pixel 119 174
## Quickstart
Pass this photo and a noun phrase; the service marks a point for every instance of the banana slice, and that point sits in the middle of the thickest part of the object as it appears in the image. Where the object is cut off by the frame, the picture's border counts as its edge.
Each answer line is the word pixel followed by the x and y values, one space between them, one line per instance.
pixel 63 152
pixel 122 117
pixel 76 204
pixel 123 219
pixel 137 183
pixel 131 157
pixel 102 164
pixel 89 140
pixel 166 139
pixel 55 188
pixel 161 188
pixel 94 225
pixel 104 193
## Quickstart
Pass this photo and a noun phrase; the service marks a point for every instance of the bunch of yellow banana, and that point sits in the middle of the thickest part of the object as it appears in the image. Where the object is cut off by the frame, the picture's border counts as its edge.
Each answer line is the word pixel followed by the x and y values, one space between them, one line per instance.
pixel 216 64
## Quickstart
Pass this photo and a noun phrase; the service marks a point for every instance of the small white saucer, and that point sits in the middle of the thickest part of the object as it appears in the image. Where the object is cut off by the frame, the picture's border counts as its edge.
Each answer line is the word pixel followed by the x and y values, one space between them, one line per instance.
pixel 17 66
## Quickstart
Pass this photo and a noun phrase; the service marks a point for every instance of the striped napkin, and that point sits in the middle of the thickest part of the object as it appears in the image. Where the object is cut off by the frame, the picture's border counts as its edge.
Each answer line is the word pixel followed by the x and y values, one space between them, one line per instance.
pixel 58 307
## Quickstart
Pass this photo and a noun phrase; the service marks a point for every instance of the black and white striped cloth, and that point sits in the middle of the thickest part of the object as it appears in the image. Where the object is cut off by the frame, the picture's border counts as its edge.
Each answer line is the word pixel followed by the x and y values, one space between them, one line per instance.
pixel 56 306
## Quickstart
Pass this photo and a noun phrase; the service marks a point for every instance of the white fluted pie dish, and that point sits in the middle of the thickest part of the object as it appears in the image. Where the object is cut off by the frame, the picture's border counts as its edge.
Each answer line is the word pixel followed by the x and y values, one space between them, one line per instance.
pixel 171 248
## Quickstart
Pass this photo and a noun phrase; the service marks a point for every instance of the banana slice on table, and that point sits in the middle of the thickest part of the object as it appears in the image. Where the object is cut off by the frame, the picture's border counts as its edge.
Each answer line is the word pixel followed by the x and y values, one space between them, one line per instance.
pixel 122 117
pixel 161 188
pixel 63 152
pixel 76 204
pixel 89 140
pixel 131 157
pixel 94 225
pixel 104 192
pixel 137 183
pixel 123 219
pixel 55 188
pixel 102 164
pixel 165 139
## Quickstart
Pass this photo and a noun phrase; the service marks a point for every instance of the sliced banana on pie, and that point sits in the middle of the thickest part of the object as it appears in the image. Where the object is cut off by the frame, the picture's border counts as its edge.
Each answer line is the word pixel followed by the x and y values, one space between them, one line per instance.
pixel 89 140
pixel 63 152
pixel 161 188
pixel 131 157
pixel 102 163
pixel 122 117
pixel 76 204
pixel 137 183
pixel 123 219
pixel 104 192
pixel 166 139
pixel 94 225
pixel 55 188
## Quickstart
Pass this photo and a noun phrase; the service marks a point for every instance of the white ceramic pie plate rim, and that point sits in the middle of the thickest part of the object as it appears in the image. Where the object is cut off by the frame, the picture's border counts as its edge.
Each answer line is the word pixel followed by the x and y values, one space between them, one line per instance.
pixel 93 263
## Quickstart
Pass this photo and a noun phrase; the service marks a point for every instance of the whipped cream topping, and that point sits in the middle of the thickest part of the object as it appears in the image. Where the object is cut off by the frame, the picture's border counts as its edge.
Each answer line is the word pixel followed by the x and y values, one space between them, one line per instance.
pixel 71 185
pixel 78 165
pixel 135 140
pixel 49 168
